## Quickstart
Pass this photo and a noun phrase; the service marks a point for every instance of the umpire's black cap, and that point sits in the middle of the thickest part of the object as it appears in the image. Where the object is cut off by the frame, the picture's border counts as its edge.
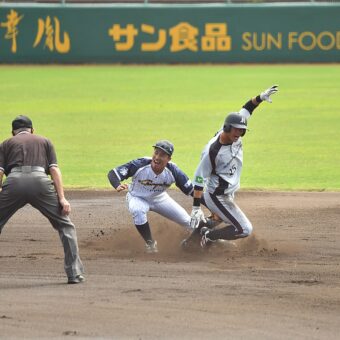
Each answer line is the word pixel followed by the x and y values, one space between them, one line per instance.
pixel 166 146
pixel 21 122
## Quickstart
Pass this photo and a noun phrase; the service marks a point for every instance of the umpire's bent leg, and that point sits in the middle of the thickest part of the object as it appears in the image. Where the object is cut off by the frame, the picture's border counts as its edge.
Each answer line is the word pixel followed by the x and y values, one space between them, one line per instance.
pixel 45 199
pixel 11 198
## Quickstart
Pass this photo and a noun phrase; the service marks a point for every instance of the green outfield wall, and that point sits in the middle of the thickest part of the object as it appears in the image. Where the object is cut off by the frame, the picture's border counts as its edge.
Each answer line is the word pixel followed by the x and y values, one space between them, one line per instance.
pixel 169 33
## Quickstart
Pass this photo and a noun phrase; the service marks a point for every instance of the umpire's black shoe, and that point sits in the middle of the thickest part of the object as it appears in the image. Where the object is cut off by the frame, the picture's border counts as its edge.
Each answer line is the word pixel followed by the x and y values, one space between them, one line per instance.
pixel 76 279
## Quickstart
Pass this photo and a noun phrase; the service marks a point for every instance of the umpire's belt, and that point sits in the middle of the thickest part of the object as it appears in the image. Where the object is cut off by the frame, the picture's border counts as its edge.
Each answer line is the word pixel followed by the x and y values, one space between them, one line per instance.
pixel 28 168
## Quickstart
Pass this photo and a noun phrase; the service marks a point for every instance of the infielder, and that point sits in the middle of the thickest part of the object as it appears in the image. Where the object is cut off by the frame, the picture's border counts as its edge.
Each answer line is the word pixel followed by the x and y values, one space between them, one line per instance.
pixel 151 177
pixel 27 159
pixel 219 173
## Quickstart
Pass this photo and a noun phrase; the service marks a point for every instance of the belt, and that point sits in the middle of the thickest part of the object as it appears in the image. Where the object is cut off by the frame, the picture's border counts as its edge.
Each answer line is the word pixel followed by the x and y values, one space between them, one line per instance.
pixel 28 168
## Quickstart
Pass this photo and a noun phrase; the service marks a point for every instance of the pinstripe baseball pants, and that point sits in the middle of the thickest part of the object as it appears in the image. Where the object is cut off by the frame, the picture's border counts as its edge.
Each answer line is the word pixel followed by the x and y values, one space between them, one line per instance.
pixel 162 204
pixel 225 207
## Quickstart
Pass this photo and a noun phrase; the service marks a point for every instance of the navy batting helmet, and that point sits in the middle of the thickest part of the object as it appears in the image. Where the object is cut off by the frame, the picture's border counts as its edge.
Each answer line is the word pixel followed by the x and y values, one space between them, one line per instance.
pixel 166 146
pixel 235 120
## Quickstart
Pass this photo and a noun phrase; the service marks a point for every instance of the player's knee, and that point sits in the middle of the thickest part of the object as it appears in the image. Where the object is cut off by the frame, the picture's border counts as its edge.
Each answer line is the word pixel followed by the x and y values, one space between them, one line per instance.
pixel 247 229
pixel 186 223
pixel 139 217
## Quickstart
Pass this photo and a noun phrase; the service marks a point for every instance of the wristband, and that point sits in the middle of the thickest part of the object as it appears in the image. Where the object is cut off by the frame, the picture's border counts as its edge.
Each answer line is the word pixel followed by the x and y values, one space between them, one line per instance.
pixel 258 99
pixel 197 202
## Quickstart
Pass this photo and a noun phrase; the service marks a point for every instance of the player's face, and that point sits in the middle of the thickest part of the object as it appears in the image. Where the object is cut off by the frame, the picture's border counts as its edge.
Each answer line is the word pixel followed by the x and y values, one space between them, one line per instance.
pixel 159 160
pixel 235 134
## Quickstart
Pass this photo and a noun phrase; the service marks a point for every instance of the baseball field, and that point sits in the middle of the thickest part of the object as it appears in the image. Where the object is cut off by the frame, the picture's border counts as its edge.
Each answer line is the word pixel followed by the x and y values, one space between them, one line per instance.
pixel 102 116
pixel 281 282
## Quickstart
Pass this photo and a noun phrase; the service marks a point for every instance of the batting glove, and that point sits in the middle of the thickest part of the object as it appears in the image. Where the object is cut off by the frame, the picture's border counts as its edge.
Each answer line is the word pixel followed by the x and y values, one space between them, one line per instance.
pixel 265 95
pixel 197 216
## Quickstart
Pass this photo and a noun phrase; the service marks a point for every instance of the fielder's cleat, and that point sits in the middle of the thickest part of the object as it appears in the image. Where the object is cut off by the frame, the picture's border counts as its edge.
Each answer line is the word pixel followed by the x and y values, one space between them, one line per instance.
pixel 151 247
pixel 76 279
pixel 205 241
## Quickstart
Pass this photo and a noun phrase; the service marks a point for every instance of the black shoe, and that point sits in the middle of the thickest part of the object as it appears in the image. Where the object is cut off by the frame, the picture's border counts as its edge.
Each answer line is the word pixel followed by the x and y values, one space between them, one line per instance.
pixel 205 240
pixel 76 279
pixel 193 240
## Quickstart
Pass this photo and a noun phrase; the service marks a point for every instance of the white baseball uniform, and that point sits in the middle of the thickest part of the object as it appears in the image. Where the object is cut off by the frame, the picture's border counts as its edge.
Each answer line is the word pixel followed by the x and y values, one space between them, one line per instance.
pixel 147 191
pixel 219 171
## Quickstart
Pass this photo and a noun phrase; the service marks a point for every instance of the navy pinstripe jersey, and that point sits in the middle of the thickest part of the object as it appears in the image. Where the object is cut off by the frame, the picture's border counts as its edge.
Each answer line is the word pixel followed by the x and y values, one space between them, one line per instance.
pixel 145 183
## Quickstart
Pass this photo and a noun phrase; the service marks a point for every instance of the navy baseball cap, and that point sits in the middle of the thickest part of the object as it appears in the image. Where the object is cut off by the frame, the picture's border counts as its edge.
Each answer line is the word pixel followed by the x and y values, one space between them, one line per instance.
pixel 166 146
pixel 21 122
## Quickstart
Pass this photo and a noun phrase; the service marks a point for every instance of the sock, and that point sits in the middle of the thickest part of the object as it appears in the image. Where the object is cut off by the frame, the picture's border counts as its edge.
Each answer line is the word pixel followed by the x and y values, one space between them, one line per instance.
pixel 144 230
pixel 226 233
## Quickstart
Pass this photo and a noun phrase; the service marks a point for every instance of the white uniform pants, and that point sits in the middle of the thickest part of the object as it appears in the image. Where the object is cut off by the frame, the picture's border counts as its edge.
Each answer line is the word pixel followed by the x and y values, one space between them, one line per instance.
pixel 225 207
pixel 162 204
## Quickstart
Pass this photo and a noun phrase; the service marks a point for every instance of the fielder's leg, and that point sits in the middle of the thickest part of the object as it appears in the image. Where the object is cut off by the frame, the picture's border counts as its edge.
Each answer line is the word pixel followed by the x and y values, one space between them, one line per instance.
pixel 169 208
pixel 138 208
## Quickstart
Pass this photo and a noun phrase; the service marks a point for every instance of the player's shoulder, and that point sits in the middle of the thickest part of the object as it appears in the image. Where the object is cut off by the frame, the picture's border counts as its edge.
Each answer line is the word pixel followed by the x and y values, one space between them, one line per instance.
pixel 214 139
pixel 174 168
pixel 211 145
pixel 171 166
pixel 140 162
pixel 132 167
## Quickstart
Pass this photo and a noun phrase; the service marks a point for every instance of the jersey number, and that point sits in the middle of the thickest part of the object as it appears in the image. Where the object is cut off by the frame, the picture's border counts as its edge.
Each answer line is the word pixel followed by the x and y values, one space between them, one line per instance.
pixel 232 170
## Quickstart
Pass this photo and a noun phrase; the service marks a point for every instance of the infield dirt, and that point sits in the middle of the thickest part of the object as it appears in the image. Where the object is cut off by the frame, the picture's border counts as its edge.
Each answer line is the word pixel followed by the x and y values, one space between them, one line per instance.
pixel 280 283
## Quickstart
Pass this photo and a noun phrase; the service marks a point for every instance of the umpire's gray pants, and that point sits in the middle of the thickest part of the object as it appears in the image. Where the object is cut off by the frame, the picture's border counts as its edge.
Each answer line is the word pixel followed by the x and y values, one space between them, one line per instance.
pixel 37 189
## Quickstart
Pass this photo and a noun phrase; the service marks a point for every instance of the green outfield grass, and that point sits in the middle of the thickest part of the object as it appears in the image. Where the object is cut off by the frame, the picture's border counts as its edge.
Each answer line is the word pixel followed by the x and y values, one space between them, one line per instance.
pixel 99 117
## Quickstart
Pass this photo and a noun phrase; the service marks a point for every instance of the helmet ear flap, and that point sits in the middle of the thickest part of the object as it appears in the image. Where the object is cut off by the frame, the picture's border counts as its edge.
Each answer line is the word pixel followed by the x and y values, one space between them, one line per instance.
pixel 226 128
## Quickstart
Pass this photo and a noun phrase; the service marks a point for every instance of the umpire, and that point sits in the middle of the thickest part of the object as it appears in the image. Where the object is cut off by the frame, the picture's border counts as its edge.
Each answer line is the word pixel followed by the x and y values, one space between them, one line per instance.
pixel 26 160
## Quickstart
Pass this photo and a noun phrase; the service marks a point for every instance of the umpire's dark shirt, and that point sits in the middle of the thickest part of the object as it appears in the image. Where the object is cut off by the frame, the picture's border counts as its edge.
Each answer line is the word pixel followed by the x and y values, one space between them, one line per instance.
pixel 27 149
